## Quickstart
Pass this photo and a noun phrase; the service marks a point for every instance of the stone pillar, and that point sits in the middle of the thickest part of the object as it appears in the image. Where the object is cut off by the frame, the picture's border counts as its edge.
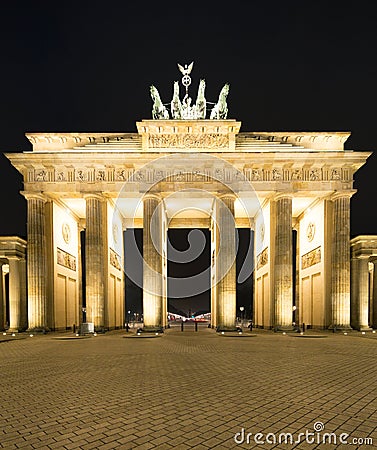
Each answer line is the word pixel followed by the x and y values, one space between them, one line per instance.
pixel 15 307
pixel 283 269
pixel 95 260
pixel 360 291
pixel 214 251
pixel 152 263
pixel 164 276
pixel 226 263
pixel 36 263
pixel 2 299
pixel 340 263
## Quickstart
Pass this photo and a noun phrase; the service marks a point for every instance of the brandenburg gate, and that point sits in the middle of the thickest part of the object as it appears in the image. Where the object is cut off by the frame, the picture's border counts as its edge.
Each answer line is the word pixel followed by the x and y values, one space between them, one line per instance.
pixel 293 189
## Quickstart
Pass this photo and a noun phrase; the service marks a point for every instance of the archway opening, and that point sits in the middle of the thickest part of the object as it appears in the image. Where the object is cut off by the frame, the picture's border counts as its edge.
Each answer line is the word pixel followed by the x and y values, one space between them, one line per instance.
pixel 189 289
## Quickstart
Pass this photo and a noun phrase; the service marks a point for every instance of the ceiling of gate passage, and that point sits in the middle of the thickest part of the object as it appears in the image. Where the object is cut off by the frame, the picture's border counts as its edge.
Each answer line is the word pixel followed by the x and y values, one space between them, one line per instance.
pixel 190 205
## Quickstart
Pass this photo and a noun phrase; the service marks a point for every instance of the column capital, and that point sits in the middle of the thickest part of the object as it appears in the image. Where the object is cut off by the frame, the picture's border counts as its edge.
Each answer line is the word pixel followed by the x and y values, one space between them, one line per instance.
pixel 94 195
pixel 227 196
pixel 34 196
pixel 281 195
pixel 342 194
pixel 151 196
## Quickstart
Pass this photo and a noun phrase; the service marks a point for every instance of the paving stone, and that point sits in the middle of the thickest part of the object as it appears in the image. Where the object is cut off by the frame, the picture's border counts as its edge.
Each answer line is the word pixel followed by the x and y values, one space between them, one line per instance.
pixel 183 390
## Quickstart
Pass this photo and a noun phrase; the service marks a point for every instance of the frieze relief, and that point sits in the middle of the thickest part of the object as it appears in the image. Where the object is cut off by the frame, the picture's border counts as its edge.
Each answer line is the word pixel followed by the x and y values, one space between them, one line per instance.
pixel 254 174
pixel 262 258
pixel 115 259
pixel 311 258
pixel 210 141
pixel 65 259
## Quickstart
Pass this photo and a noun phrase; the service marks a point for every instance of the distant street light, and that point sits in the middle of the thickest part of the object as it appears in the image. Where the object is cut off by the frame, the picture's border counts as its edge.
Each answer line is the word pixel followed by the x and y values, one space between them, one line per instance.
pixel 242 308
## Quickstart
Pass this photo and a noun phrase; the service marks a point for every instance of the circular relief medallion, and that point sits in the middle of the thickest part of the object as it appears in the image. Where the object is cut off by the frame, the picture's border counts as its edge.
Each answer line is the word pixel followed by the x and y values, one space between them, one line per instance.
pixel 115 233
pixel 66 233
pixel 310 231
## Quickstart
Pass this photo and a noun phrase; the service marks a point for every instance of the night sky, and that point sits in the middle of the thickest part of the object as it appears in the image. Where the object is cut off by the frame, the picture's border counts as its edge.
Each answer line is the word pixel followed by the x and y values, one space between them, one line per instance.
pixel 87 66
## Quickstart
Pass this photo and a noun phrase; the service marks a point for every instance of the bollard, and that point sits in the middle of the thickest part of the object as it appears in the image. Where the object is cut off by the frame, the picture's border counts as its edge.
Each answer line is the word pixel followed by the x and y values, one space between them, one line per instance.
pixel 196 325
pixel 303 327
pixel 182 325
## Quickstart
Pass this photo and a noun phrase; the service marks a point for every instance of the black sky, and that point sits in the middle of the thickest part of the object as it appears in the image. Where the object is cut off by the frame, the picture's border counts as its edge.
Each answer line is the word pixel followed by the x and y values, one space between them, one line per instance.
pixel 87 66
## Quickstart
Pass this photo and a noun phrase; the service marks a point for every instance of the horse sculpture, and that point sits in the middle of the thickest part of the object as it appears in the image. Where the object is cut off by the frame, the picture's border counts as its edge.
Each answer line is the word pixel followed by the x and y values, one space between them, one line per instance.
pixel 176 105
pixel 200 105
pixel 159 111
pixel 220 110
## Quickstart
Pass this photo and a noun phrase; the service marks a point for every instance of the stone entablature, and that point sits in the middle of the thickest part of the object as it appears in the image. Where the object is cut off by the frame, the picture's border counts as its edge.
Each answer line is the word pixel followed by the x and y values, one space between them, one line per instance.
pixel 364 246
pixel 12 246
pixel 46 171
pixel 120 174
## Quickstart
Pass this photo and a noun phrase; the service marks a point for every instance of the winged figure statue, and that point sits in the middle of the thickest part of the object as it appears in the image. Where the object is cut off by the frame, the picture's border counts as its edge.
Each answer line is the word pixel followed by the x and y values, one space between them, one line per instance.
pixel 187 69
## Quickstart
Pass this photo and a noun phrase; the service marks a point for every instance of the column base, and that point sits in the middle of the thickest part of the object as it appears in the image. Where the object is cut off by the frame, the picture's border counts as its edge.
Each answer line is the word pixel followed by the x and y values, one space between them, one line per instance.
pixel 284 328
pixel 151 329
pixel 38 330
pixel 364 328
pixel 340 328
pixel 226 328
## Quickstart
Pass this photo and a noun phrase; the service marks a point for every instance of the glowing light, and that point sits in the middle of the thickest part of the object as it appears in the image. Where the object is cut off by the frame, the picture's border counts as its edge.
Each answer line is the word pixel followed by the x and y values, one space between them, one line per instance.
pixel 138 334
pixel 4 334
pixel 156 334
pixel 363 332
pixel 13 334
pixel 302 333
pixel 222 332
pixel 345 334
pixel 374 331
pixel 240 332
pixel 95 334
pixel 77 334
pixel 284 333
pixel 31 335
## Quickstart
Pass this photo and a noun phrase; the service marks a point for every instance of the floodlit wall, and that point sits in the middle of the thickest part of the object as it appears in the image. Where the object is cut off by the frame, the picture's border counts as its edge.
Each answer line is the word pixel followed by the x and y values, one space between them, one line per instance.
pixel 65 266
pixel 114 304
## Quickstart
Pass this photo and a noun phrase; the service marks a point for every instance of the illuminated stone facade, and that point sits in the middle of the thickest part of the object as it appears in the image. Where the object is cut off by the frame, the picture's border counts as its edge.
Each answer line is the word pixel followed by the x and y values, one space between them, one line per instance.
pixel 183 173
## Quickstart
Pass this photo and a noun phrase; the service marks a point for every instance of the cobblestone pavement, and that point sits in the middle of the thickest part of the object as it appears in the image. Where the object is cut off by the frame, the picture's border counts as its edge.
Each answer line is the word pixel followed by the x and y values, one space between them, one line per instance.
pixel 186 390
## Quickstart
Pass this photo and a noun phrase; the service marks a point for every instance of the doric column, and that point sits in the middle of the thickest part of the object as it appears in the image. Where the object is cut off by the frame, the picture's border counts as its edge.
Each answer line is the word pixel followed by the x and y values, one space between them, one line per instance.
pixel 36 263
pixel 152 262
pixel 283 269
pixel 15 301
pixel 214 251
pixel 360 293
pixel 340 262
pixel 2 302
pixel 226 263
pixel 95 260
